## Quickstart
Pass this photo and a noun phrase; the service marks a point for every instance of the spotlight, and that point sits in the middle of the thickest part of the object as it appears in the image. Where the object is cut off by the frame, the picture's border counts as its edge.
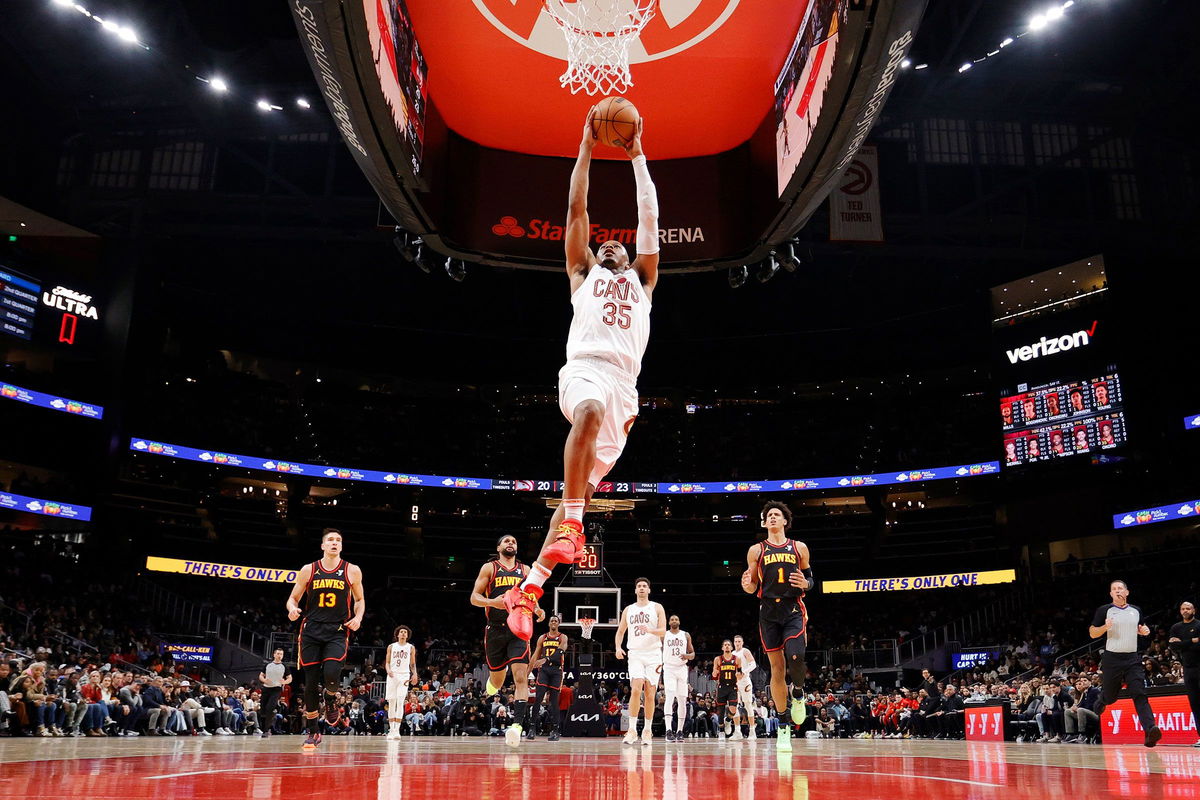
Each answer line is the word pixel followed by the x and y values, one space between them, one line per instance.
pixel 738 276
pixel 300 101
pixel 965 67
pixel 218 85
pixel 127 35
pixel 792 262
pixel 1053 13
pixel 456 269
pixel 905 64
pixel 424 258
pixel 1037 23
pixel 768 268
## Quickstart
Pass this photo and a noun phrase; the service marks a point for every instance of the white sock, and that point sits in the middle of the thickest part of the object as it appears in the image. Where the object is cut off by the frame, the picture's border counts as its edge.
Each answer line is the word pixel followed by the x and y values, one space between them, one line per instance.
pixel 394 727
pixel 573 509
pixel 536 577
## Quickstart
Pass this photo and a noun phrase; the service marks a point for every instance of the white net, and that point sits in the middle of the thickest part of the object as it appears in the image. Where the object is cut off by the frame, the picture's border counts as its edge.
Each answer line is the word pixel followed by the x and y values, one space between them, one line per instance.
pixel 586 624
pixel 598 34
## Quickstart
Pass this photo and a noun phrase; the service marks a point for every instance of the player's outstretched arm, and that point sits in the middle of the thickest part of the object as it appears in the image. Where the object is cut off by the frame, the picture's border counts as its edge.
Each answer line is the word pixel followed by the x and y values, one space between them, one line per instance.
pixel 751 578
pixel 646 262
pixel 620 652
pixel 580 257
pixel 293 601
pixel 477 591
pixel 360 597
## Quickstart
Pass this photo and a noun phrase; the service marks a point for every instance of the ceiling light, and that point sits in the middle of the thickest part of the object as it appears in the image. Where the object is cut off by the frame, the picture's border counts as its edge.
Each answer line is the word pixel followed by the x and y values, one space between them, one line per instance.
pixel 300 101
pixel 965 67
pixel 1006 42
pixel 128 35
pixel 921 66
pixel 263 105
pixel 218 85
pixel 1054 13
pixel 1037 23
pixel 905 64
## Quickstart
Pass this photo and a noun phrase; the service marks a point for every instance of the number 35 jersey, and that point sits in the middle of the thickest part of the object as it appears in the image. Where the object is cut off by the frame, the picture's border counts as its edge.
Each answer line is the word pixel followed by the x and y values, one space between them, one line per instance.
pixel 611 319
pixel 328 594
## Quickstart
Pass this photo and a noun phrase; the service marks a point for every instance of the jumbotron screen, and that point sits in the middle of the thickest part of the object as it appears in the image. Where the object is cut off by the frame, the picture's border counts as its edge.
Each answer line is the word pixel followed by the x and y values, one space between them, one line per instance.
pixel 1061 419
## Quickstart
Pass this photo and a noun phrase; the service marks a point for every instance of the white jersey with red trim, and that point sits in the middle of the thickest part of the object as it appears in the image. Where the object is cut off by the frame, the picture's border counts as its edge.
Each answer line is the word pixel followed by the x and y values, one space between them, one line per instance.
pixel 639 621
pixel 675 646
pixel 402 658
pixel 611 319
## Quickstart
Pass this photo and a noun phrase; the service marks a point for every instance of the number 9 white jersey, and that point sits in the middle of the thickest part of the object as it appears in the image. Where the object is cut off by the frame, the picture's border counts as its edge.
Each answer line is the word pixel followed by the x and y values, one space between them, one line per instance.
pixel 611 319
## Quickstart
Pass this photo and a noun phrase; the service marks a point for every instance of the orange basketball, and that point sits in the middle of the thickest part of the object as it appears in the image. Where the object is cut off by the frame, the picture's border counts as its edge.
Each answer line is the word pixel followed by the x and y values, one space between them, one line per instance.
pixel 615 121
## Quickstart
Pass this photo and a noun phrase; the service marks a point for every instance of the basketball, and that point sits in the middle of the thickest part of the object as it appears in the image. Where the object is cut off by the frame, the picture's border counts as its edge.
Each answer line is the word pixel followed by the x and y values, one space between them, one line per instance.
pixel 615 121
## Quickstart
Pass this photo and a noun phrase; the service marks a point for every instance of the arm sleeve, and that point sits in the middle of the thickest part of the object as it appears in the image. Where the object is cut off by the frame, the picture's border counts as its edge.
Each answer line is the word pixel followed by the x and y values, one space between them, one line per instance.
pixel 1098 617
pixel 647 197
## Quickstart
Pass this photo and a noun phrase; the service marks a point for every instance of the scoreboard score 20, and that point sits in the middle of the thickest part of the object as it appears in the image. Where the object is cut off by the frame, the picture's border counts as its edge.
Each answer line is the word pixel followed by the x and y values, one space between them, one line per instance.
pixel 589 569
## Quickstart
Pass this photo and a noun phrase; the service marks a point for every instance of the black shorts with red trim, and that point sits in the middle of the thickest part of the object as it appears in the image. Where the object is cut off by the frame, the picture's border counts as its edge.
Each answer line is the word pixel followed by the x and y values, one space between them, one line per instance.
pixel 781 622
pixel 727 695
pixel 550 676
pixel 322 641
pixel 501 647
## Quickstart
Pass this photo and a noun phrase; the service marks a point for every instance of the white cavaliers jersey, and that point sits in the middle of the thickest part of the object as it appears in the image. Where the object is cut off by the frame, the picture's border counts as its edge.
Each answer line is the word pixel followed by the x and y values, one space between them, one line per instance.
pixel 747 658
pixel 674 648
pixel 639 620
pixel 611 319
pixel 402 656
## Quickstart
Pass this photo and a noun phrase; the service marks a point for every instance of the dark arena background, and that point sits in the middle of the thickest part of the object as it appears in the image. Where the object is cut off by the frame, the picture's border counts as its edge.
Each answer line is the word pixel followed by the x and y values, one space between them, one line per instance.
pixel 927 279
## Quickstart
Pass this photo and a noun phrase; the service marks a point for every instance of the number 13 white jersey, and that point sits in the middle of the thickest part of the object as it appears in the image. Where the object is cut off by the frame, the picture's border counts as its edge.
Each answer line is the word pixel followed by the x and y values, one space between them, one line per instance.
pixel 674 649
pixel 611 319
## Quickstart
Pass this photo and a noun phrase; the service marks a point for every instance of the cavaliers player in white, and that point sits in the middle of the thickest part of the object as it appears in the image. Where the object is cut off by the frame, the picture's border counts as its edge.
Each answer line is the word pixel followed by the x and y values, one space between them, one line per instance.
pixel 400 661
pixel 745 687
pixel 677 652
pixel 597 388
pixel 646 623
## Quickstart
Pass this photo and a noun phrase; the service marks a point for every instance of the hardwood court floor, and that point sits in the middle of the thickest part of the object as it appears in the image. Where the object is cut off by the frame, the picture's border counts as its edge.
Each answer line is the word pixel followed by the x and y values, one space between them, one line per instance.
pixel 356 768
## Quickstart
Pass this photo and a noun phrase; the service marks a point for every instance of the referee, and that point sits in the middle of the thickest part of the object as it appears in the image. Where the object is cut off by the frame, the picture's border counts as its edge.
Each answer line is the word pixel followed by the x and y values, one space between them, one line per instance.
pixel 1121 664
pixel 1185 640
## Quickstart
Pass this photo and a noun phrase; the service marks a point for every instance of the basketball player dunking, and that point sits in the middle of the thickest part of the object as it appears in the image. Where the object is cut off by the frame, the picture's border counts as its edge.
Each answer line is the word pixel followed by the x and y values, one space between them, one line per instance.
pixel 727 671
pixel 502 650
pixel 745 687
pixel 778 571
pixel 330 584
pixel 646 623
pixel 401 663
pixel 677 652
pixel 597 388
pixel 548 661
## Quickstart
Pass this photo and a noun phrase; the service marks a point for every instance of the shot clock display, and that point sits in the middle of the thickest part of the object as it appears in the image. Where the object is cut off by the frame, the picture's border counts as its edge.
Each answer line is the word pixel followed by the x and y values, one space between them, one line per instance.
pixel 590 567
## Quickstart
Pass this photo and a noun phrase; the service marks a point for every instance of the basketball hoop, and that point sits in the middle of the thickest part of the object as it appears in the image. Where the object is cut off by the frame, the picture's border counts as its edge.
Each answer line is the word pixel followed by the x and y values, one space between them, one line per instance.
pixel 585 625
pixel 598 34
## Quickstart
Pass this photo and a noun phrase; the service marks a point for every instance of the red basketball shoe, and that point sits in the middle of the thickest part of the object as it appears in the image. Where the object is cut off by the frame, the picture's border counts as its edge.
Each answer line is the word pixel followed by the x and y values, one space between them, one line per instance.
pixel 520 607
pixel 567 544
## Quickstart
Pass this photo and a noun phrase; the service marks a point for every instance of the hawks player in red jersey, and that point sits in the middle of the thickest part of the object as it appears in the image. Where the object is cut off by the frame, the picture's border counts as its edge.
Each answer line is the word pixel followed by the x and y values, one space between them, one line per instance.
pixel 504 651
pixel 778 572
pixel 597 387
pixel 331 584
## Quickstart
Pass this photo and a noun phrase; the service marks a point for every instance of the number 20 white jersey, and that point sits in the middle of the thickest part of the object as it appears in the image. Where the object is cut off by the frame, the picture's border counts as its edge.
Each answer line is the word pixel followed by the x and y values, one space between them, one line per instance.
pixel 611 319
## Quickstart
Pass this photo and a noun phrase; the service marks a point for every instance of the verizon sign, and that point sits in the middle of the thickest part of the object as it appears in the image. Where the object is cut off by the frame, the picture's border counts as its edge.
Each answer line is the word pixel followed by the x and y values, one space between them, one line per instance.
pixel 1052 346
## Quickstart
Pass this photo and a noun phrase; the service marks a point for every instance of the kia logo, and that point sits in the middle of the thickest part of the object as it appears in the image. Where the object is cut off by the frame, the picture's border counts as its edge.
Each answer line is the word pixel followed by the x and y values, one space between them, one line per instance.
pixel 585 718
pixel 508 227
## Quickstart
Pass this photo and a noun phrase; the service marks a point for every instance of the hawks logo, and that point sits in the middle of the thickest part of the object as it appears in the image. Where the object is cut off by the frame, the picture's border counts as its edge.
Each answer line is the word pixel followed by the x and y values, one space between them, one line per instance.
pixel 676 26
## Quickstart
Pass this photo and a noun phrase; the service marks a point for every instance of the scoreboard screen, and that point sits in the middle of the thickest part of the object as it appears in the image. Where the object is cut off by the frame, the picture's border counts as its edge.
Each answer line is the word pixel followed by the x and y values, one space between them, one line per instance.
pixel 19 299
pixel 590 566
pixel 1060 419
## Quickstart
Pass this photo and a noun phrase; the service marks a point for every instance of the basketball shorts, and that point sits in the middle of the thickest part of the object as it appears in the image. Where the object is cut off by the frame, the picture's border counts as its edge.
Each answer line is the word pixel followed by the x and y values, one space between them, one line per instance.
pixel 675 681
pixel 322 641
pixel 745 689
pixel 727 695
pixel 501 647
pixel 397 687
pixel 550 676
pixel 783 622
pixel 583 379
pixel 645 665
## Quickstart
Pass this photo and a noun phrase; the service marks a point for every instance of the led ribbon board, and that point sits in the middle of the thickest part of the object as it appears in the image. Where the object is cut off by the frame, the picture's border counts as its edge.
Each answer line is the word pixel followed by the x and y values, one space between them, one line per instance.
pixel 194 653
pixel 1148 516
pixel 211 569
pixel 278 466
pixel 53 402
pixel 49 508
pixel 947 581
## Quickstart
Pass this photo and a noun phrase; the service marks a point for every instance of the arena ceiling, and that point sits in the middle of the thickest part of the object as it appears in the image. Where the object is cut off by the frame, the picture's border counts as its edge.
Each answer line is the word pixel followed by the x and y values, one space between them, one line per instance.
pixel 729 50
